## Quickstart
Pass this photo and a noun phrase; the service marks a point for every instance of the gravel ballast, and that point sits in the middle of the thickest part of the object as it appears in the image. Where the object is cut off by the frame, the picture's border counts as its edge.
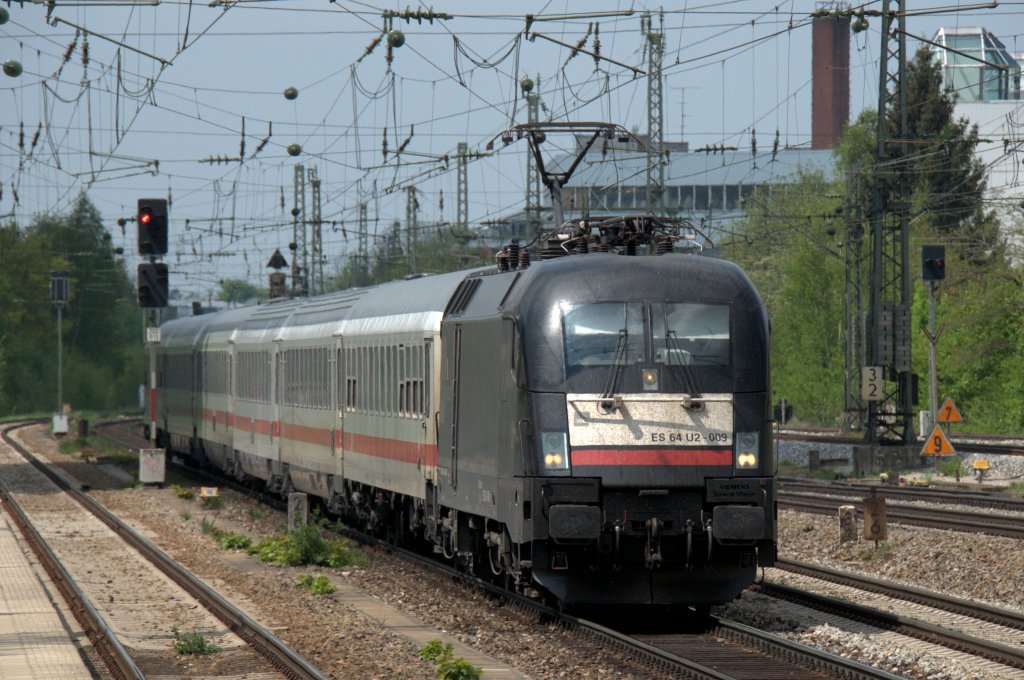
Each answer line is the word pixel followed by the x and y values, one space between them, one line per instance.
pixel 346 644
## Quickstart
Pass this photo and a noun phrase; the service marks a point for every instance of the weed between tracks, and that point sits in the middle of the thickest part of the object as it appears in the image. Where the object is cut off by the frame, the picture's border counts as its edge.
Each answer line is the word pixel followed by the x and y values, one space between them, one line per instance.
pixel 881 549
pixel 306 545
pixel 318 584
pixel 446 667
pixel 192 643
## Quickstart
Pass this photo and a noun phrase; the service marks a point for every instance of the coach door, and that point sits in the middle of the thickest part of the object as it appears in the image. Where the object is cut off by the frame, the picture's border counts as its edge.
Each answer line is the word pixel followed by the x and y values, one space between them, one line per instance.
pixel 340 392
pixel 275 422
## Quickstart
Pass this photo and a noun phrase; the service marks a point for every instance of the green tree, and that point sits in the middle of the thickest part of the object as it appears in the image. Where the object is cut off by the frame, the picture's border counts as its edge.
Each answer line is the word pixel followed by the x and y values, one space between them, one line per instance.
pixel 100 325
pixel 948 178
pixel 438 250
pixel 787 245
pixel 790 239
pixel 239 291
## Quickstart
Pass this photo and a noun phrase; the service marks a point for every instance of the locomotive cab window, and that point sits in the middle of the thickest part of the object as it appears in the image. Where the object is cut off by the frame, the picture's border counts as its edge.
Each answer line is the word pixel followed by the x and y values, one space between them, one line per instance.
pixel 619 347
pixel 604 334
pixel 692 334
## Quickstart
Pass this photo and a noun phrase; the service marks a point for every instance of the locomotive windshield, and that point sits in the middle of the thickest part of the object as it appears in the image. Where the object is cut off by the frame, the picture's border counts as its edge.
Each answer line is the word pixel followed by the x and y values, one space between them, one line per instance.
pixel 690 334
pixel 596 334
pixel 624 334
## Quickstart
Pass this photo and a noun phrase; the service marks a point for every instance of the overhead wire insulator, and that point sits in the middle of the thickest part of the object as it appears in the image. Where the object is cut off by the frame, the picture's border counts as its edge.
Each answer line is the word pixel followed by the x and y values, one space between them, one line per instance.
pixel 371 47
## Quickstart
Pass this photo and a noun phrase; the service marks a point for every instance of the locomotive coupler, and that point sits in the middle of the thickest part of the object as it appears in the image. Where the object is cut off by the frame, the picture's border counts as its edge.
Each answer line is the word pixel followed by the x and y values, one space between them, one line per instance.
pixel 652 551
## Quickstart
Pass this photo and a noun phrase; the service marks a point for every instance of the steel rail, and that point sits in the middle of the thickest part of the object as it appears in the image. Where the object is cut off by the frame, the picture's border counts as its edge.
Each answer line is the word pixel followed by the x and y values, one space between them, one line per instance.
pixel 805 658
pixel 956 640
pixel 765 646
pixel 928 598
pixel 968 497
pixel 934 518
pixel 271 648
pixel 107 645
pixel 975 443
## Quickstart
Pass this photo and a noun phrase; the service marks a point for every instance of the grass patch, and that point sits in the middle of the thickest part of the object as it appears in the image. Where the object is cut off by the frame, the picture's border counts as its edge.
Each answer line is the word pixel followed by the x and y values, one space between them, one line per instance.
pixel 306 545
pixel 256 514
pixel 214 502
pixel 445 666
pixel 952 467
pixel 318 585
pixel 192 643
pixel 183 492
pixel 97 447
pixel 226 539
pixel 1016 489
pixel 881 549
pixel 185 515
pixel 234 541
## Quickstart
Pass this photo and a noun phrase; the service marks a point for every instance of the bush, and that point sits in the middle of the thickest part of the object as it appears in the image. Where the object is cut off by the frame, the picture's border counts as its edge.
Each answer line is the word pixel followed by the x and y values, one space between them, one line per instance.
pixel 192 643
pixel 305 545
pixel 234 541
pixel 183 492
pixel 952 467
pixel 318 585
pixel 446 667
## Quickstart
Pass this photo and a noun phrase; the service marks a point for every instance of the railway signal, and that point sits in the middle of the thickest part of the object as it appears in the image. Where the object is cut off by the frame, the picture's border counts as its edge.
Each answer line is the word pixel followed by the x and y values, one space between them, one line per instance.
pixel 152 285
pixel 933 263
pixel 152 221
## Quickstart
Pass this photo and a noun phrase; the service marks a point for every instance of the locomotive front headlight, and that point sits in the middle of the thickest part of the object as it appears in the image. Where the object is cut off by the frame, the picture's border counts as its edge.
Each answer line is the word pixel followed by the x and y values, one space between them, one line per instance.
pixel 650 379
pixel 746 450
pixel 555 447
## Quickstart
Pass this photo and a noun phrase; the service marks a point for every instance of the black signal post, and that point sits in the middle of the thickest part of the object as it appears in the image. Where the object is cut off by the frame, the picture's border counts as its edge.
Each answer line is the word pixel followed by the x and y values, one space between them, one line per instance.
pixel 933 270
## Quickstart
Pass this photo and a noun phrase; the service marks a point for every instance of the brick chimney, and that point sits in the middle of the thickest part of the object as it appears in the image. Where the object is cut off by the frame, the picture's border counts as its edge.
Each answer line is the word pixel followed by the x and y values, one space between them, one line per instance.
pixel 830 79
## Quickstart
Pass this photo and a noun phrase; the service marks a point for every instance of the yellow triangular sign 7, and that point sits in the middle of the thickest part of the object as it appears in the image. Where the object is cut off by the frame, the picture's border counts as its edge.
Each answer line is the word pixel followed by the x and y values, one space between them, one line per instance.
pixel 937 444
pixel 948 413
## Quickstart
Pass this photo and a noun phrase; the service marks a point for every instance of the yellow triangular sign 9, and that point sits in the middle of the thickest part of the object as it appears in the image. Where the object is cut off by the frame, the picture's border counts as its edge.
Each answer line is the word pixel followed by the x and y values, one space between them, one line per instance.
pixel 948 413
pixel 937 444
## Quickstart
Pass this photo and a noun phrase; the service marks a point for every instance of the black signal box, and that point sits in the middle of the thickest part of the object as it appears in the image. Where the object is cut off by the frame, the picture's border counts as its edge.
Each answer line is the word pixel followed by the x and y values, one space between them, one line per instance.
pixel 933 263
pixel 152 220
pixel 152 285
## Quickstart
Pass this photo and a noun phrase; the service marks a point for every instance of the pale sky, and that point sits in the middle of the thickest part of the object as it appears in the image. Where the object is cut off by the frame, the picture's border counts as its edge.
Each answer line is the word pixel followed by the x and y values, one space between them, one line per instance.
pixel 126 126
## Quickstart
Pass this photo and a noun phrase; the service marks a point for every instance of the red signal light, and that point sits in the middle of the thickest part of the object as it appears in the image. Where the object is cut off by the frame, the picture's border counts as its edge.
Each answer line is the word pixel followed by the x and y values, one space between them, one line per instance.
pixel 145 217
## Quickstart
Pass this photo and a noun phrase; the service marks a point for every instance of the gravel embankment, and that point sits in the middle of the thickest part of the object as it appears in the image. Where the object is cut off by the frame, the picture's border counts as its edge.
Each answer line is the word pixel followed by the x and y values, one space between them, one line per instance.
pixel 346 644
pixel 973 566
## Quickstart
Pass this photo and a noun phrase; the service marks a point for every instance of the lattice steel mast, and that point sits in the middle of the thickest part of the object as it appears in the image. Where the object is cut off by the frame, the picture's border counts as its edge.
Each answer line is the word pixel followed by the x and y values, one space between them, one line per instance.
pixel 655 116
pixel 891 419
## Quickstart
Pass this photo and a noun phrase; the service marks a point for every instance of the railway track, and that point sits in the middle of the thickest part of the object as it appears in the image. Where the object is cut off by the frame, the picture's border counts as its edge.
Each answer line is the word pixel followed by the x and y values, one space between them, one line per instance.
pixel 928 598
pixel 111 560
pixel 975 499
pixel 935 518
pixel 975 443
pixel 964 626
pixel 723 649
